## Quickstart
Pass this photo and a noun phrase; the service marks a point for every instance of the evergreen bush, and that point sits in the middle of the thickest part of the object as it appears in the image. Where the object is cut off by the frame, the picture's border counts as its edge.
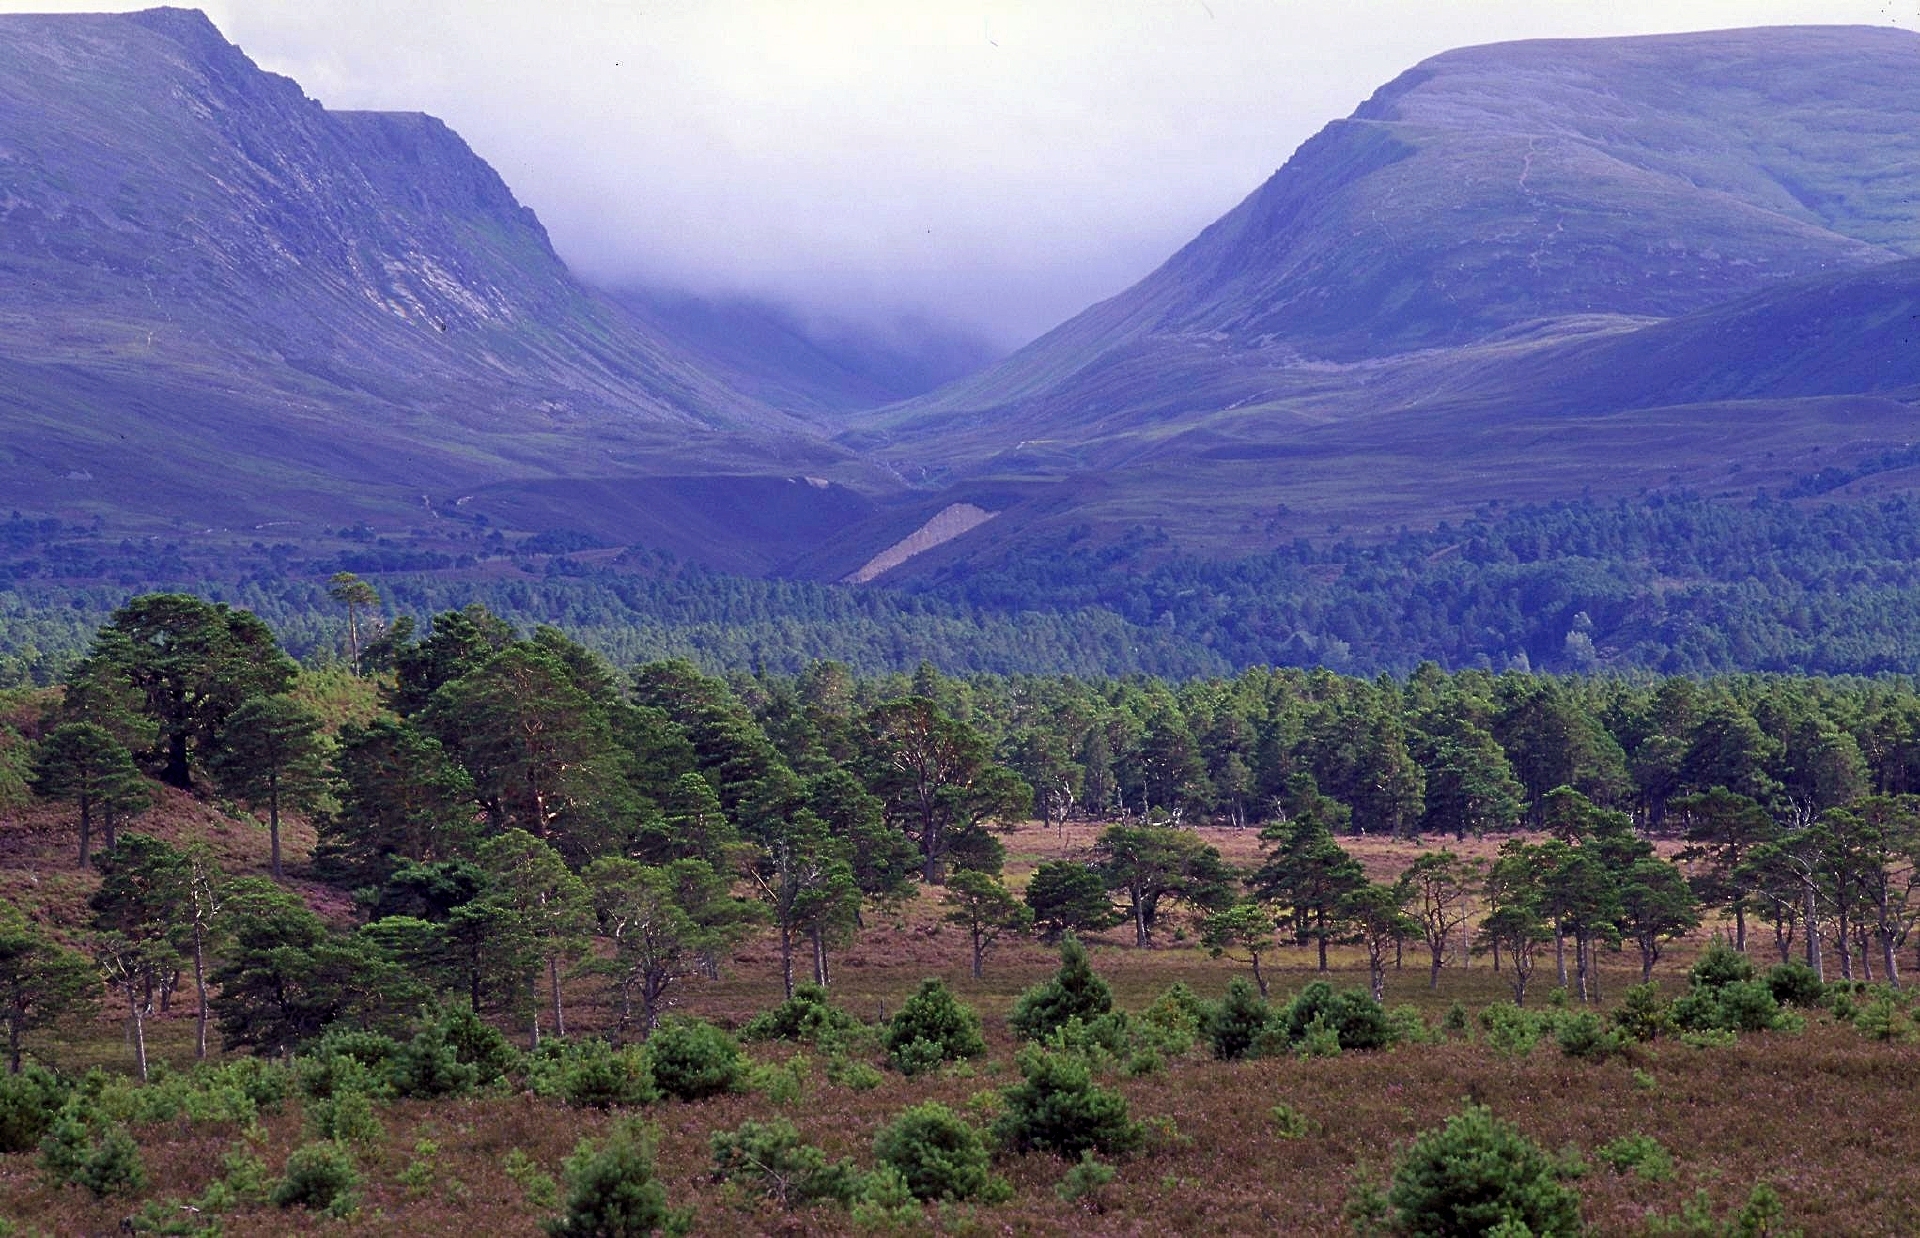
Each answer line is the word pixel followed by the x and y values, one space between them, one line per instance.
pixel 1072 992
pixel 938 1154
pixel 1358 1020
pixel 807 1015
pixel 598 1076
pixel 28 1103
pixel 320 1177
pixel 1642 1013
pixel 612 1191
pixel 1475 1175
pixel 1795 984
pixel 775 1161
pixel 932 1027
pixel 1236 1022
pixel 429 1066
pixel 1719 965
pixel 83 1148
pixel 692 1059
pixel 1057 1108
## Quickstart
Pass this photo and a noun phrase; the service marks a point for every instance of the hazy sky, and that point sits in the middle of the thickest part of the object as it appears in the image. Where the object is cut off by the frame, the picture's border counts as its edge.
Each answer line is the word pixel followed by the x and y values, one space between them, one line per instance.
pixel 998 164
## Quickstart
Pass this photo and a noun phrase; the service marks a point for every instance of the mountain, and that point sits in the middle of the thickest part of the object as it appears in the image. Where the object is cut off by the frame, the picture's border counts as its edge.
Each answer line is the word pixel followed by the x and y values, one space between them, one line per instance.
pixel 816 366
pixel 224 305
pixel 1479 287
pixel 1516 274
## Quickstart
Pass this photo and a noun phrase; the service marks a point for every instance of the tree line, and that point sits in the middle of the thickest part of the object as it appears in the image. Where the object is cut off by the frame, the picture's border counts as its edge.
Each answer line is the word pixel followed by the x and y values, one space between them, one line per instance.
pixel 1668 584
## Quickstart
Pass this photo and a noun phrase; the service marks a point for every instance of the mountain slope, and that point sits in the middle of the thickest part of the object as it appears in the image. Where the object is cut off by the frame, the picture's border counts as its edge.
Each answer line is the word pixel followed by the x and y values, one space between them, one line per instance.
pixel 815 367
pixel 1367 335
pixel 280 313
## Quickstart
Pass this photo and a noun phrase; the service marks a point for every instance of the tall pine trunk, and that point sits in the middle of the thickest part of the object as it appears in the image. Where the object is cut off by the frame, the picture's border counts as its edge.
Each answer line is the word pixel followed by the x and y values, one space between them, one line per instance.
pixel 200 988
pixel 137 1029
pixel 273 819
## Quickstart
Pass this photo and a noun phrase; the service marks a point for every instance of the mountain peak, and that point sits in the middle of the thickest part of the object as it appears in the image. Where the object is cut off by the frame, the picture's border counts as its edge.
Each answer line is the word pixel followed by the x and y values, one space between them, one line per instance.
pixel 335 305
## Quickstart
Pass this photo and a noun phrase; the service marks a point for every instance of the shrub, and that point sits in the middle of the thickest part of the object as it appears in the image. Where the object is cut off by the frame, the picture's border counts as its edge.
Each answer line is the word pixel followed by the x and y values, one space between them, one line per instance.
pixel 1082 1183
pixel 1072 992
pixel 83 1148
pixel 1643 1014
pixel 938 1154
pixel 1583 1035
pixel 1290 1123
pixel 1719 965
pixel 535 1183
pixel 345 1117
pixel 846 1072
pixel 807 1015
pixel 429 1066
pixel 28 1103
pixel 1456 1022
pixel 1056 1108
pixel 932 1027
pixel 1321 1039
pixel 1235 1024
pixel 1358 1020
pixel 611 1190
pixel 598 1076
pixel 1407 1026
pixel 1477 1174
pixel 1734 1006
pixel 243 1180
pixel 771 1158
pixel 373 1049
pixel 1173 1022
pixel 1795 984
pixel 1512 1029
pixel 321 1075
pixel 692 1059
pixel 1108 1036
pixel 1881 1019
pixel 1748 1006
pixel 1641 1155
pixel 886 1202
pixel 478 1044
pixel 319 1176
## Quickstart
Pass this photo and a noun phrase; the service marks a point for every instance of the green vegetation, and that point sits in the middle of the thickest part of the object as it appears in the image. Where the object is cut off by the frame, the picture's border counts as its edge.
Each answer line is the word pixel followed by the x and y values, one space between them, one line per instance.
pixel 1674 584
pixel 620 871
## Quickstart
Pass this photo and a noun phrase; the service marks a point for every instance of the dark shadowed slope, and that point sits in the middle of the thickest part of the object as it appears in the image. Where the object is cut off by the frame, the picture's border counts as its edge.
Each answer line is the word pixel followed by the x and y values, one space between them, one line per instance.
pixel 220 302
pixel 813 366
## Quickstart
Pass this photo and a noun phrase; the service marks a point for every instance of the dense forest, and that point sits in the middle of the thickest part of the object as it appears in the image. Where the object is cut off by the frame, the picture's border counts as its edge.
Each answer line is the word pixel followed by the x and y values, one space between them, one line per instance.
pixel 1673 585
pixel 509 831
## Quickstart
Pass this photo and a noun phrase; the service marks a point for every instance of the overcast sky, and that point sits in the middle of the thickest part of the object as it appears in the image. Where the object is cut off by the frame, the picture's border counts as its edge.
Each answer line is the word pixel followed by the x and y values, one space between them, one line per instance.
pixel 1000 165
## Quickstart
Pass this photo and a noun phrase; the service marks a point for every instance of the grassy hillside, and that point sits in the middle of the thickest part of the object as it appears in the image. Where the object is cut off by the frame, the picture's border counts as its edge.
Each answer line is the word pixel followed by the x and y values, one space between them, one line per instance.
pixel 1518 273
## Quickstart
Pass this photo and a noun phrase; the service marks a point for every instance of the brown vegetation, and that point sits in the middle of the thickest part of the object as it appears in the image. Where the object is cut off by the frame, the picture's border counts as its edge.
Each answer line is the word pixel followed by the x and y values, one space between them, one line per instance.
pixel 1825 1116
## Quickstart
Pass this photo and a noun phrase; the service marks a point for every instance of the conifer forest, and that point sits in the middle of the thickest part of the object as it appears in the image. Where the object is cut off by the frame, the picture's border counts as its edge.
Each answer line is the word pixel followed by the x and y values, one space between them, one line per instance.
pixel 465 924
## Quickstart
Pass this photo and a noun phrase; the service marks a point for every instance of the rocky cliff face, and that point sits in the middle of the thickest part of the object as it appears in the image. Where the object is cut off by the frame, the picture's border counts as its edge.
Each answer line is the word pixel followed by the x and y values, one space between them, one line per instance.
pixel 220 272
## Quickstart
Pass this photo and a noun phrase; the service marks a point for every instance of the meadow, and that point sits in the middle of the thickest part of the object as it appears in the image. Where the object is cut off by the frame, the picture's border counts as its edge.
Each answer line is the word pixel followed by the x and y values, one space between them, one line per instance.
pixel 1824 1116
